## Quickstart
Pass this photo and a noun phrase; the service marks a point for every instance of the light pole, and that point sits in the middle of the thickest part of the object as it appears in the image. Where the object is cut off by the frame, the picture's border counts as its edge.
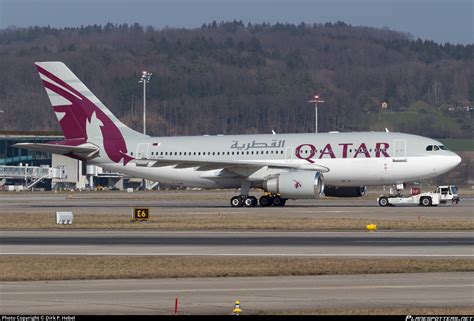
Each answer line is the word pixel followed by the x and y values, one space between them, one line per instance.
pixel 316 100
pixel 145 78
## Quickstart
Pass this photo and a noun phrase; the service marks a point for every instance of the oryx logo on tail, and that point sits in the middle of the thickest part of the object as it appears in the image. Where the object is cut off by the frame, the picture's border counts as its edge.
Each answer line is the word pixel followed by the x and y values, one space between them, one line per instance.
pixel 82 119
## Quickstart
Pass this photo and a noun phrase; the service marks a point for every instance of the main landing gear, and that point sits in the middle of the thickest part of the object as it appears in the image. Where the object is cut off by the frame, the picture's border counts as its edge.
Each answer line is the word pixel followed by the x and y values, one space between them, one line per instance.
pixel 251 201
pixel 270 199
pixel 244 199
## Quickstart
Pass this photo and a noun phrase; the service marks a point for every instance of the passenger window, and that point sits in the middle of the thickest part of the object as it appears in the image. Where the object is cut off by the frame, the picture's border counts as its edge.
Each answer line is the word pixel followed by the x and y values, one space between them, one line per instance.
pixel 429 147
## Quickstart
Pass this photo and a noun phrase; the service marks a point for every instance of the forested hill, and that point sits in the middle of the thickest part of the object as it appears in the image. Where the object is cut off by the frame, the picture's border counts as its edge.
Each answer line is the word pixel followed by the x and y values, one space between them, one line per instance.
pixel 233 78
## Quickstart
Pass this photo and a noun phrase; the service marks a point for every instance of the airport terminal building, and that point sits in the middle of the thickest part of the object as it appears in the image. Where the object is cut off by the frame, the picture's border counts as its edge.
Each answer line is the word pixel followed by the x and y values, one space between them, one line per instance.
pixel 20 168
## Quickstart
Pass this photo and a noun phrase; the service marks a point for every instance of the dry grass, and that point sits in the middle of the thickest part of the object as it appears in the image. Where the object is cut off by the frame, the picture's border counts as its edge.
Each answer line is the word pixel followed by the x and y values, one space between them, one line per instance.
pixel 38 221
pixel 16 268
pixel 408 310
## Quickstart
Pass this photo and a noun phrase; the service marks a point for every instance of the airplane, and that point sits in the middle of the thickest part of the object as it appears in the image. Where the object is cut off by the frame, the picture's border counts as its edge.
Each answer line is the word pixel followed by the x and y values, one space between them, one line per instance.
pixel 286 166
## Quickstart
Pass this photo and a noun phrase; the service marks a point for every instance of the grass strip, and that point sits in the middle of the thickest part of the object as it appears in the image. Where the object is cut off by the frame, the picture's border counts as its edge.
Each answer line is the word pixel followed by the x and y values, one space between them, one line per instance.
pixel 43 221
pixel 32 268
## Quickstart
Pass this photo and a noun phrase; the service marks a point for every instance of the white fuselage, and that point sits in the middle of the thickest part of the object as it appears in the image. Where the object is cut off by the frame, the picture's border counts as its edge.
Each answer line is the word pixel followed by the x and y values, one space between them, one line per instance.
pixel 353 159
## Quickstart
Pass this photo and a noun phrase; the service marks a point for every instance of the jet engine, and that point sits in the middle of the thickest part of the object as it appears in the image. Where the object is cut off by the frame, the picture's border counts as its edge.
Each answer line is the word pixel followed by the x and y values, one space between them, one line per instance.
pixel 296 184
pixel 345 191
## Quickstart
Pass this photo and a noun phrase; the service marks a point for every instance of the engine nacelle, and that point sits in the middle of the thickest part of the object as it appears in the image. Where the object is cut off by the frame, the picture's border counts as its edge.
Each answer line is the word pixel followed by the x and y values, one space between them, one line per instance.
pixel 296 184
pixel 345 191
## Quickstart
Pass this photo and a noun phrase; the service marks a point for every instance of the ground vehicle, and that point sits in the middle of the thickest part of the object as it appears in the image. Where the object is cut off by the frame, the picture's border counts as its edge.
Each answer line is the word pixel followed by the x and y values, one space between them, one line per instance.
pixel 441 195
pixel 448 193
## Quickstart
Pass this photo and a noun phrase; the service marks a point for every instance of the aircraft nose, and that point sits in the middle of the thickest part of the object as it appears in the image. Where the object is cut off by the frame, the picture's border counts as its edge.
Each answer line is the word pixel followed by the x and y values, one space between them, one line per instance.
pixel 455 159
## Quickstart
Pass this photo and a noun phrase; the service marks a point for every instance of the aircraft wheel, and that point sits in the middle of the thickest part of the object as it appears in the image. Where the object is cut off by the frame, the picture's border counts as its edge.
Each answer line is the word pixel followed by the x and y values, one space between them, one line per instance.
pixel 236 201
pixel 383 201
pixel 254 201
pixel 265 201
pixel 278 201
pixel 250 201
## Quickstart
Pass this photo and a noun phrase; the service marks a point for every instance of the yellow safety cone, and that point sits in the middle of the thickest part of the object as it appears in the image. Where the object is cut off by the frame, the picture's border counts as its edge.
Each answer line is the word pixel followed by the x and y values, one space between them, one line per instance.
pixel 237 310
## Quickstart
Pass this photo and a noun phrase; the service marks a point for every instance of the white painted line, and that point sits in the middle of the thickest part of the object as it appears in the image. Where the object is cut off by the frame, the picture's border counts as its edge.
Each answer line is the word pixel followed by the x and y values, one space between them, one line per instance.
pixel 235 254
pixel 410 241
pixel 237 289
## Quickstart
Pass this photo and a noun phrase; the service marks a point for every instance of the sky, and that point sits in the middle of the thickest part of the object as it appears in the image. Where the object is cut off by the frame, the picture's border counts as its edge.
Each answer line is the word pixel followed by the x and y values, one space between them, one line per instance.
pixel 438 20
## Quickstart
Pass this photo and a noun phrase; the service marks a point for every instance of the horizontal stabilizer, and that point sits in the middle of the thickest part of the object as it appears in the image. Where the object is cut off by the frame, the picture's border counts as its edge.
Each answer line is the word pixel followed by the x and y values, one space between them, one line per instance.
pixel 85 151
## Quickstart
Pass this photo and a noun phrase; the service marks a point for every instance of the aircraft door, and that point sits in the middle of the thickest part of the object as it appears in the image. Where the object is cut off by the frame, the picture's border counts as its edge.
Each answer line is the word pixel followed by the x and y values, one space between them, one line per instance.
pixel 399 150
pixel 289 155
pixel 142 150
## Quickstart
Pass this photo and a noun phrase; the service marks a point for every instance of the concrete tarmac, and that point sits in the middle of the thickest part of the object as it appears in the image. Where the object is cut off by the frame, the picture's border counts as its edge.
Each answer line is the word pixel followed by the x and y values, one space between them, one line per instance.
pixel 350 244
pixel 216 295
pixel 214 202
pixel 256 294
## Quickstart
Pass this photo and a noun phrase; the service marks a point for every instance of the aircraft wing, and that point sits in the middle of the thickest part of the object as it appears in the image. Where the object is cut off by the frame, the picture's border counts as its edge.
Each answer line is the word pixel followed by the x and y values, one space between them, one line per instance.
pixel 85 151
pixel 211 165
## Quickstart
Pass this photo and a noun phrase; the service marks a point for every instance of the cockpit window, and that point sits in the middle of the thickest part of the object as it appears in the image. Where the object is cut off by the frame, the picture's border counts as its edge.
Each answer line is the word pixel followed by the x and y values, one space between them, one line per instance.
pixel 435 147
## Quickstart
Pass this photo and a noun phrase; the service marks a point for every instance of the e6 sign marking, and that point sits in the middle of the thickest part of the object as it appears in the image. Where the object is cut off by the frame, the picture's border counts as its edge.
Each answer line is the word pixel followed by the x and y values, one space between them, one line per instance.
pixel 141 214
